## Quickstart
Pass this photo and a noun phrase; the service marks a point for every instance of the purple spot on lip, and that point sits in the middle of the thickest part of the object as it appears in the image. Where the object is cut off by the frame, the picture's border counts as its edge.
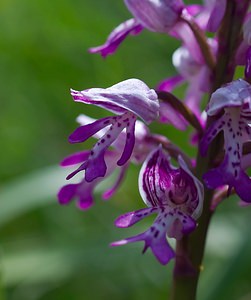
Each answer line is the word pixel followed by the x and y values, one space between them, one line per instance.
pixel 156 234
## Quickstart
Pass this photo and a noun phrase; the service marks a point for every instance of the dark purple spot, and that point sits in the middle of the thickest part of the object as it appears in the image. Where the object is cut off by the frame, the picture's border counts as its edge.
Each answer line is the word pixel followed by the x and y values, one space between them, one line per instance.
pixel 229 149
pixel 152 229
pixel 235 173
pixel 102 141
pixel 235 164
pixel 156 234
pixel 119 124
pixel 108 136
pixel 106 122
pixel 128 135
pixel 139 215
pixel 92 152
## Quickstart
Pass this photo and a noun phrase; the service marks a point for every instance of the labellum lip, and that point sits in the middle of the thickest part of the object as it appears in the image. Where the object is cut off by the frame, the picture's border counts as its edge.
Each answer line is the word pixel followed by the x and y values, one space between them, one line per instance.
pixel 161 184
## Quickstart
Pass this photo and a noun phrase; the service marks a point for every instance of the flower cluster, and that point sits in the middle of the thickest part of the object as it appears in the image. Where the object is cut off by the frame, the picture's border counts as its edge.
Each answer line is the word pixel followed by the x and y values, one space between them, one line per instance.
pixel 169 188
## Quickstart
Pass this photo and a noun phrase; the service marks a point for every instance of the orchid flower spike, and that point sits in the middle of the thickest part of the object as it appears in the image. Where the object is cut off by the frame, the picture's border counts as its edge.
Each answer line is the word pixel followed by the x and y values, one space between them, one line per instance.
pixel 174 194
pixel 128 99
pixel 232 103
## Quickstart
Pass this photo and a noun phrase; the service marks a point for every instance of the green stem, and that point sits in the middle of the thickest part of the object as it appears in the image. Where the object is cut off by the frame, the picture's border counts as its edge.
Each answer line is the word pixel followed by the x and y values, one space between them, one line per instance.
pixel 190 250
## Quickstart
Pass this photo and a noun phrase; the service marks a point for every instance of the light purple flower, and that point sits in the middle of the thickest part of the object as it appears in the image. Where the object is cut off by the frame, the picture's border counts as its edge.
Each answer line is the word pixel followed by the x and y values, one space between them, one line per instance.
pixel 175 194
pixel 156 15
pixel 129 27
pixel 169 115
pixel 128 99
pixel 83 190
pixel 215 10
pixel 195 73
pixel 232 103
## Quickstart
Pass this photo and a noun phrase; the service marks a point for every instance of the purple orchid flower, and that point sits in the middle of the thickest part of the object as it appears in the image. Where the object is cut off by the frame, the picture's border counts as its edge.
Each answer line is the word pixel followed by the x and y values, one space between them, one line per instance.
pixel 212 14
pixel 154 15
pixel 197 75
pixel 83 190
pixel 128 99
pixel 116 37
pixel 175 194
pixel 233 103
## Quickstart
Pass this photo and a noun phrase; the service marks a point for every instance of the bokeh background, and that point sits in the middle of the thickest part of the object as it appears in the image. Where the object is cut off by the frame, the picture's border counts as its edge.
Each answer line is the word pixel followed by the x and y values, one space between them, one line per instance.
pixel 52 252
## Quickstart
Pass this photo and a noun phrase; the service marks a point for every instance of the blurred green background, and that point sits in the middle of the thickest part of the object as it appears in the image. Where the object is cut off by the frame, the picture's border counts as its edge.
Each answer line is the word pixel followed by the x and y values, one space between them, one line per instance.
pixel 53 252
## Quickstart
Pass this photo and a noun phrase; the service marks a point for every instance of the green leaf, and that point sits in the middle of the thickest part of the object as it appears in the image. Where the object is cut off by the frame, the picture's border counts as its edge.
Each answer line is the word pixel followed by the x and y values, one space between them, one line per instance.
pixel 36 189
